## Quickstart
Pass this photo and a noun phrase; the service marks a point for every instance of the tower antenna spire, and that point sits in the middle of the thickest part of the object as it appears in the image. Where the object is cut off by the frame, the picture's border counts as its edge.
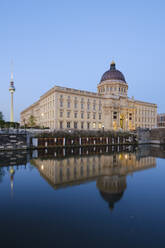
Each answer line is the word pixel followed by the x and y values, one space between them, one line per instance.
pixel 12 66
pixel 12 90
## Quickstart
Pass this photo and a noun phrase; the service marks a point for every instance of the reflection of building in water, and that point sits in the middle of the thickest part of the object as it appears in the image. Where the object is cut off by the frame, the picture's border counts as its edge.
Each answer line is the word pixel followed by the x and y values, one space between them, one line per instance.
pixel 111 188
pixel 12 172
pixel 109 171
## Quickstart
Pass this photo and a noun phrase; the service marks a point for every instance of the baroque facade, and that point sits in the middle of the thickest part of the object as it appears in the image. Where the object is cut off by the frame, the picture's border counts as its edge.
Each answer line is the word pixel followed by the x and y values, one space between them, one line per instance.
pixel 110 108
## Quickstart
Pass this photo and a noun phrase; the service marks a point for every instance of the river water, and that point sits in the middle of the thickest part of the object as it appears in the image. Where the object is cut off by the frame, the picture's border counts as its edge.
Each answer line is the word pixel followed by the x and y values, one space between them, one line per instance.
pixel 101 197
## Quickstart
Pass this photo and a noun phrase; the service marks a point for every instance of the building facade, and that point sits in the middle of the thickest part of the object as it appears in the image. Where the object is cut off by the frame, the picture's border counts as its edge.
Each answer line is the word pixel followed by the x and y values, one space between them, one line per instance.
pixel 161 120
pixel 109 109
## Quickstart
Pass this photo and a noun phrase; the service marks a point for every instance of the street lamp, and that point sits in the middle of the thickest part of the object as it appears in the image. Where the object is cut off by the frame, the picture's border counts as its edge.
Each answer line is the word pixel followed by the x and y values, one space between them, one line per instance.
pixel 103 127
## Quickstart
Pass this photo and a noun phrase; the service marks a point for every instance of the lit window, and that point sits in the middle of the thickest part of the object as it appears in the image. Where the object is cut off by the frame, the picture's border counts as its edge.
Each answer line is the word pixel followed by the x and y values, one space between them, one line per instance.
pixel 94 124
pixel 100 125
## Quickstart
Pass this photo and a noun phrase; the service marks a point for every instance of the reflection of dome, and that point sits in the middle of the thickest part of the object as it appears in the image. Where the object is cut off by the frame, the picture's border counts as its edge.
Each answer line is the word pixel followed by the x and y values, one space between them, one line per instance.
pixel 113 74
pixel 111 198
pixel 111 188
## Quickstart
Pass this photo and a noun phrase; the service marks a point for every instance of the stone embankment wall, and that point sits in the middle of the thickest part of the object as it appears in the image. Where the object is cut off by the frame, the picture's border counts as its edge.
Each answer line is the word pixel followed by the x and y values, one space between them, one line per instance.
pixel 13 141
pixel 16 141
pixel 83 141
pixel 153 136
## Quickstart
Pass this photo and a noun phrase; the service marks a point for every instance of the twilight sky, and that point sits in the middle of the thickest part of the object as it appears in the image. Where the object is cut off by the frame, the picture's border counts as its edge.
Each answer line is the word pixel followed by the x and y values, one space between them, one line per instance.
pixel 71 43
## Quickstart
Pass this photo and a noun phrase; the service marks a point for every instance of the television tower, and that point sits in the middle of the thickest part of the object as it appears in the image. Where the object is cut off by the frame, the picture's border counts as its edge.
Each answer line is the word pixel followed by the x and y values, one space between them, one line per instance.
pixel 12 90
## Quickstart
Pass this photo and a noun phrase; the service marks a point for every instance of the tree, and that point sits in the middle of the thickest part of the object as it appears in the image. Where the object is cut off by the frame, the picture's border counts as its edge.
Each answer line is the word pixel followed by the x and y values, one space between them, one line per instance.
pixel 1 120
pixel 1 116
pixel 32 121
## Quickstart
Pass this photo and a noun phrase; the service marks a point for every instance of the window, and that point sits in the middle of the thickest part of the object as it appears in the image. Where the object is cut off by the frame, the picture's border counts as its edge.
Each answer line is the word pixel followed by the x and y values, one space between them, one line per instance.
pixel 130 116
pixel 100 125
pixel 94 124
pixel 99 106
pixel 114 115
pixel 88 105
pixel 75 105
pixel 61 103
pixel 82 105
pixel 88 115
pixel 75 125
pixel 94 106
pixel 75 115
pixel 82 115
pixel 94 116
pixel 68 104
pixel 61 114
pixel 61 125
pixel 99 116
pixel 68 114
pixel 88 125
pixel 82 125
pixel 68 124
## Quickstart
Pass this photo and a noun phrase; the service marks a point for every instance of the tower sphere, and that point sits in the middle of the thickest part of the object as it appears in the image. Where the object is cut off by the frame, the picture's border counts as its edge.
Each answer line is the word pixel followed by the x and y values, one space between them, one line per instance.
pixel 12 88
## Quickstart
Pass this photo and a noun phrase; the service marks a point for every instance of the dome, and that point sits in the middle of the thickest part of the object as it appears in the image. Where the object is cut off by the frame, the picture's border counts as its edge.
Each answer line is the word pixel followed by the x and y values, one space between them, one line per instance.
pixel 111 198
pixel 113 74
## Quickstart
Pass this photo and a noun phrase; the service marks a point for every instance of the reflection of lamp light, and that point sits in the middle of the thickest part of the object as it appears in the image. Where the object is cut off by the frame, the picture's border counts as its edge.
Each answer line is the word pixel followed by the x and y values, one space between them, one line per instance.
pixel 120 156
pixel 42 114
pixel 126 156
pixel 42 167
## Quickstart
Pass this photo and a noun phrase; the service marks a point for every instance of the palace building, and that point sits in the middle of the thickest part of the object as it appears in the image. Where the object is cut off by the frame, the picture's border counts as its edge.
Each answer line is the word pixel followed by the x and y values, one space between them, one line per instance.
pixel 161 120
pixel 109 109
